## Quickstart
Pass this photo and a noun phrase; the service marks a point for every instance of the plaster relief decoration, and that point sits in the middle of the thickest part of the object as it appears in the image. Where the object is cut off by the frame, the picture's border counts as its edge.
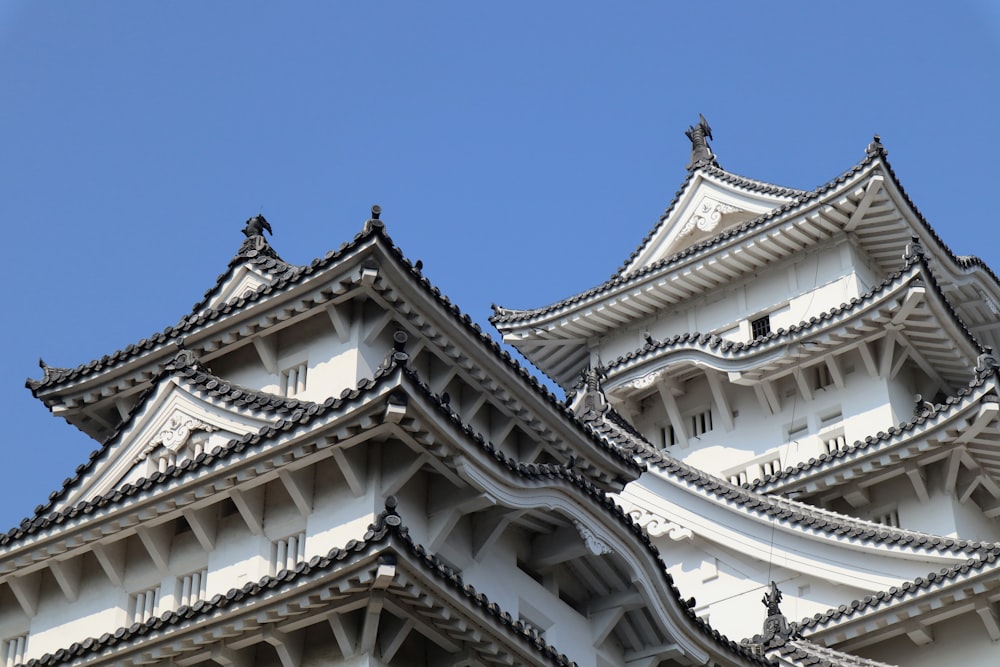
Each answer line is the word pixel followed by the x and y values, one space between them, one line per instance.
pixel 175 434
pixel 594 543
pixel 643 382
pixel 707 215
pixel 656 525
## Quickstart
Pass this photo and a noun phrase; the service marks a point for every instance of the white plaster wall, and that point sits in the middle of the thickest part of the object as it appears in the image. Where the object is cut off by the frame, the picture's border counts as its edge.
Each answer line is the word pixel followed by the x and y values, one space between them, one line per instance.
pixel 958 641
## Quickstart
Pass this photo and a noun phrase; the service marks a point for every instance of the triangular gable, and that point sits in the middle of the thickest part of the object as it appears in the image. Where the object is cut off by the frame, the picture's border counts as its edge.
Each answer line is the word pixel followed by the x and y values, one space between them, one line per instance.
pixel 172 425
pixel 706 207
pixel 243 280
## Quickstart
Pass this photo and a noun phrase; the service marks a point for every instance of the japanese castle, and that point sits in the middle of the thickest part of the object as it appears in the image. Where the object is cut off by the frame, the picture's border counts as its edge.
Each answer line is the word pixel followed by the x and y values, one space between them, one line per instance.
pixel 779 445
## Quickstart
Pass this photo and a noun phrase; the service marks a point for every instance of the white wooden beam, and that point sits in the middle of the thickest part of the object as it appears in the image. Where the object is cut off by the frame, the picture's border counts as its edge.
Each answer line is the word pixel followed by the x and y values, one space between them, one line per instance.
pixel 228 657
pixel 988 613
pixel 157 541
pixel 344 633
pixel 299 485
pixel 603 623
pixel 393 638
pixel 874 185
pixel 369 630
pixel 973 485
pixel 803 384
pixel 720 398
pixel 340 325
pixel 267 350
pixel 112 560
pixel 558 547
pixel 984 417
pixel 67 575
pixel 250 504
pixel 488 526
pixel 352 466
pixel 673 414
pixel 919 633
pixel 857 496
pixel 377 328
pixel 916 475
pixel 204 524
pixel 771 395
pixel 289 647
pixel 952 468
pixel 26 588
pixel 868 359
pixel 913 297
pixel 904 353
pixel 835 374
pixel 888 352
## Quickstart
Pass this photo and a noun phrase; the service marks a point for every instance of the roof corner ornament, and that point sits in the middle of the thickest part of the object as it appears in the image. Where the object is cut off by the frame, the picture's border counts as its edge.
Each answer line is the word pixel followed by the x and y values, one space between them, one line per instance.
pixel 986 363
pixel 375 220
pixel 254 231
pixel 701 153
pixel 876 147
pixel 775 625
pixel 913 249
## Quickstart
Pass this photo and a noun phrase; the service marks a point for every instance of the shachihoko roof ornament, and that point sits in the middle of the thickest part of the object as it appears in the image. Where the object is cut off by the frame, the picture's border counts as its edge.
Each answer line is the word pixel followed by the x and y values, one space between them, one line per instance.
pixel 701 152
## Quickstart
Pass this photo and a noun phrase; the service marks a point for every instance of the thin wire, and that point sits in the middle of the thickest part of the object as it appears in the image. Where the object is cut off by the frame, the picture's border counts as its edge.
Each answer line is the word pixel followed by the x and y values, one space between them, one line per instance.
pixel 783 456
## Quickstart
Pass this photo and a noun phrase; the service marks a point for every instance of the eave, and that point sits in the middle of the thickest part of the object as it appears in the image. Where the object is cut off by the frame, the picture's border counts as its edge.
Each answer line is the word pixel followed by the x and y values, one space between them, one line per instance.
pixel 866 204
pixel 904 317
pixel 964 433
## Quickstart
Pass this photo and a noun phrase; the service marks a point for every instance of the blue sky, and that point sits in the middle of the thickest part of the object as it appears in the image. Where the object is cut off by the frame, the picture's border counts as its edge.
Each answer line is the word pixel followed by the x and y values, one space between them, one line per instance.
pixel 521 150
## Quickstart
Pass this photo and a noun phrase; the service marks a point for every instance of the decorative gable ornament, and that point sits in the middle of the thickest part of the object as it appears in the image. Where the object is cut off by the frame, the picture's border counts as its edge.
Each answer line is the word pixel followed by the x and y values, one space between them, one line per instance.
pixel 175 434
pixel 707 216
pixel 593 543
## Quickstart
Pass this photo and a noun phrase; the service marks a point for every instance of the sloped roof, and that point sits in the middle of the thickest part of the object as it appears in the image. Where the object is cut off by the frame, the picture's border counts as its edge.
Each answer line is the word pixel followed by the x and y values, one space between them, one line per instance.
pixel 618 279
pixel 942 413
pixel 264 259
pixel 802 516
pixel 915 272
pixel 393 372
pixel 801 652
pixel 188 369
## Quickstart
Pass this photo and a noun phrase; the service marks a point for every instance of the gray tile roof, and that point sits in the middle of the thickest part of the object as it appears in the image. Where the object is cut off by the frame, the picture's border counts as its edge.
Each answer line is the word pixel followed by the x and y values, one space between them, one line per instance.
pixel 395 369
pixel 983 562
pixel 942 413
pixel 914 268
pixel 804 516
pixel 804 653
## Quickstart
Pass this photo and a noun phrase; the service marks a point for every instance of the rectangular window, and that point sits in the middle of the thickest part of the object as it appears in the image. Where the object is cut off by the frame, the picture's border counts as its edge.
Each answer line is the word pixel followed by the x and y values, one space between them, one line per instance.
pixel 822 378
pixel 12 650
pixel 287 552
pixel 760 327
pixel 669 437
pixel 888 518
pixel 701 423
pixel 293 380
pixel 772 467
pixel 192 588
pixel 143 605
pixel 835 443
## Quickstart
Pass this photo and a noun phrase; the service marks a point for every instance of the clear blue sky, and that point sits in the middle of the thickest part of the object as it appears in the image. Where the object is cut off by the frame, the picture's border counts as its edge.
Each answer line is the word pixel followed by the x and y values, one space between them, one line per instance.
pixel 521 150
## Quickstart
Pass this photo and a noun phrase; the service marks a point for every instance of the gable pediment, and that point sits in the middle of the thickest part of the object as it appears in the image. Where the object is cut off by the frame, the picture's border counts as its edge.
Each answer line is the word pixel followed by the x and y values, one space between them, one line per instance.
pixel 705 208
pixel 175 423
pixel 244 279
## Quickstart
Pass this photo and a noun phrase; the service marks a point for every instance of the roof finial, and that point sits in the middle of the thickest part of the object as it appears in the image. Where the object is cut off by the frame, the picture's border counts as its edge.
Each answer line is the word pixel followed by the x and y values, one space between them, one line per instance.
pixel 876 147
pixel 376 211
pixel 701 153
pixel 775 624
pixel 256 226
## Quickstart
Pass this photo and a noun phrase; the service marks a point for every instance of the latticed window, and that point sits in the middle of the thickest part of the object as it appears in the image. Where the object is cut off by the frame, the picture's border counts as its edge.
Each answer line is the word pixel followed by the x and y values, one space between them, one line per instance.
pixel 143 605
pixel 12 650
pixel 288 551
pixel 887 518
pixel 701 423
pixel 293 380
pixel 760 326
pixel 192 588
pixel 823 376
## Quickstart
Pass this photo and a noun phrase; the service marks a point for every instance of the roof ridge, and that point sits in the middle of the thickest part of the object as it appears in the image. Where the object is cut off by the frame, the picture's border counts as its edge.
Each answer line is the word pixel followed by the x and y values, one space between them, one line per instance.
pixel 794 511
pixel 937 413
pixel 502 314
pixel 872 601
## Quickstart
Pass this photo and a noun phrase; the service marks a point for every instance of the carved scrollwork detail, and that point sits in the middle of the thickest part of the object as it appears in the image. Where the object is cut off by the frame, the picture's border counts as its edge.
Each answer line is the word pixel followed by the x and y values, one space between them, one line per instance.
pixel 643 382
pixel 658 526
pixel 707 217
pixel 594 544
pixel 175 434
